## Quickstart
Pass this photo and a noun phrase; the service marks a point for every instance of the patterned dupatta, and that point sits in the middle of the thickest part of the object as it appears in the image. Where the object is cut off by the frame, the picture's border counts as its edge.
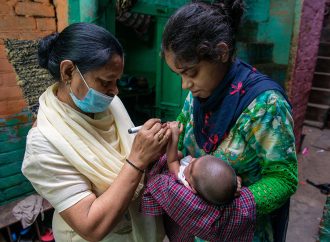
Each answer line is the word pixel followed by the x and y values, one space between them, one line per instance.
pixel 214 117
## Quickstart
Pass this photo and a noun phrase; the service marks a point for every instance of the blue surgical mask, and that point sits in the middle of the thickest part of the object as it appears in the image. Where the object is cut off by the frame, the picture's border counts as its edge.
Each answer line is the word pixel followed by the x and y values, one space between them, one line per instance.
pixel 93 102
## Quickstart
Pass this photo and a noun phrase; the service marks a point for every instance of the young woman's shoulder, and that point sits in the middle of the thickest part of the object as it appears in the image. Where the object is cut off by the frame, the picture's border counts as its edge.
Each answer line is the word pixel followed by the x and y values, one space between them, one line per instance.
pixel 270 97
pixel 263 110
pixel 270 101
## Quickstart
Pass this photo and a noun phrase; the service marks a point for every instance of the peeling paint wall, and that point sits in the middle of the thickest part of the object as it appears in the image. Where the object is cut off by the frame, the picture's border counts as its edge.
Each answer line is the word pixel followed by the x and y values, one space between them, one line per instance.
pixel 278 29
pixel 100 12
pixel 265 36
pixel 29 19
pixel 13 131
pixel 274 24
pixel 62 12
pixel 20 20
pixel 303 60
pixel 83 10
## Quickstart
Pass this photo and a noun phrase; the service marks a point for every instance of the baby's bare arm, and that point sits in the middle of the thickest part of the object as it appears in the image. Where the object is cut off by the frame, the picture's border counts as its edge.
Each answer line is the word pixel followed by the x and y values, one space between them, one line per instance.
pixel 172 148
pixel 174 167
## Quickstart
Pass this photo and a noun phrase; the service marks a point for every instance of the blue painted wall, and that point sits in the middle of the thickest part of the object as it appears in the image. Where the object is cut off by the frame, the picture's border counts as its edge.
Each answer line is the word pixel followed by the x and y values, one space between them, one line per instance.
pixel 13 131
pixel 265 36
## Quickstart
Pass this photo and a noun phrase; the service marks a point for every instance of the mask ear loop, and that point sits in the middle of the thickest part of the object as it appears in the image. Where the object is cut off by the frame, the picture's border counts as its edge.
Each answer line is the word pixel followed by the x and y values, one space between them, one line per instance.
pixel 82 77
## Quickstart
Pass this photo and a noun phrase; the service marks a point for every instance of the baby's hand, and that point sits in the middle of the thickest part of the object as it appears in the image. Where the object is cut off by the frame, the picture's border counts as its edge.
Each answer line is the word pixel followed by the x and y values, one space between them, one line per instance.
pixel 176 127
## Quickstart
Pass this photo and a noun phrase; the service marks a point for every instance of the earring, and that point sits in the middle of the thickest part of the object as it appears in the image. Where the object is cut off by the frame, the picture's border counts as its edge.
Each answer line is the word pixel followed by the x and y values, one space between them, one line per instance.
pixel 190 85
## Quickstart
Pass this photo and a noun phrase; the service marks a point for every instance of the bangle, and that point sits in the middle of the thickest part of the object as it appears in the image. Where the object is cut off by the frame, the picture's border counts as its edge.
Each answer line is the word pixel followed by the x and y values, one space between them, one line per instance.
pixel 137 168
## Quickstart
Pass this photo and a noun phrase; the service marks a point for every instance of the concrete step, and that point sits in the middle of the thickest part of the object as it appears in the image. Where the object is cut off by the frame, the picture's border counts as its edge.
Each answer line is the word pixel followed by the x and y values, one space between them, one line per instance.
pixel 277 72
pixel 325 34
pixel 321 79
pixel 321 89
pixel 323 64
pixel 324 49
pixel 313 123
pixel 248 32
pixel 260 52
pixel 320 96
pixel 255 52
pixel 319 106
pixel 326 20
pixel 317 112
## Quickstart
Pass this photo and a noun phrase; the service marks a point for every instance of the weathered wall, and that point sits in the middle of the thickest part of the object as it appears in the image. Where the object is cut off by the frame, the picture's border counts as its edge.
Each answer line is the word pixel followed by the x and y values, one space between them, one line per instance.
pixel 20 20
pixel 13 131
pixel 278 29
pixel 83 10
pixel 23 19
pixel 273 22
pixel 265 36
pixel 303 60
pixel 100 12
pixel 62 12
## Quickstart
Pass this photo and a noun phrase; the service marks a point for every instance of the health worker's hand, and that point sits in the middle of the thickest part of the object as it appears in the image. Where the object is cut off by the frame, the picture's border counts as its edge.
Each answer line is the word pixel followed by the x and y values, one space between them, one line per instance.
pixel 149 143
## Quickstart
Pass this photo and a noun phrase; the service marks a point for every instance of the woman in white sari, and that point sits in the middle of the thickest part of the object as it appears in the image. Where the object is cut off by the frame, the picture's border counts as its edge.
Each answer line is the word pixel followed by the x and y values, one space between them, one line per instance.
pixel 79 155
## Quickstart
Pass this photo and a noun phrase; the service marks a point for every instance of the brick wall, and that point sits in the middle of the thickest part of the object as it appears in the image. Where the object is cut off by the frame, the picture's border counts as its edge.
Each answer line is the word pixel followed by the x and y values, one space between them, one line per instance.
pixel 305 48
pixel 20 20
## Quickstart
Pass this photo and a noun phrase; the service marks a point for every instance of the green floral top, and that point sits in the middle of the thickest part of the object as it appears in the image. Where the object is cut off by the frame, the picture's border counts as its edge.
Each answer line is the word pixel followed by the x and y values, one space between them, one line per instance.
pixel 261 148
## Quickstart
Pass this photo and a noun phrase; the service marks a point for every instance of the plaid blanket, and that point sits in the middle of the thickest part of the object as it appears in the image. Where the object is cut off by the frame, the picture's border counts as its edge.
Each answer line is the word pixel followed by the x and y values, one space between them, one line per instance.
pixel 188 215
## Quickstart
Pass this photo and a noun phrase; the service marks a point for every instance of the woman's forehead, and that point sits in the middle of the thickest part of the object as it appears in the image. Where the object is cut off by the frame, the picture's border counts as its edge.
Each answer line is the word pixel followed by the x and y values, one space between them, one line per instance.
pixel 177 64
pixel 112 68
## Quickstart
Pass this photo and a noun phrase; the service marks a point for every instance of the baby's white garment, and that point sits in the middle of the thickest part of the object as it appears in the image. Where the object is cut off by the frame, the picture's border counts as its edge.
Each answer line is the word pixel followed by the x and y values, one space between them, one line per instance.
pixel 184 162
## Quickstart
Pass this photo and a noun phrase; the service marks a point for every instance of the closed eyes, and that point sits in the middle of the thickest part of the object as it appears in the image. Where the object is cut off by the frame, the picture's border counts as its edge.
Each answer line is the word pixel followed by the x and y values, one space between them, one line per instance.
pixel 105 83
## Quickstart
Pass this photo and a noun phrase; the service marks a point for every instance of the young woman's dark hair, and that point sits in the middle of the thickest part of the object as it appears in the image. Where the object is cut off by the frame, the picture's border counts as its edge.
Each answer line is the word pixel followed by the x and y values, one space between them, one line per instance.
pixel 194 31
pixel 86 45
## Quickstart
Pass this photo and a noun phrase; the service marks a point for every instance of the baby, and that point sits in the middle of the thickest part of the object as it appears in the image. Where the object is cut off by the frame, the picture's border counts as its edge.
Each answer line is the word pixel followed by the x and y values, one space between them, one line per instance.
pixel 210 177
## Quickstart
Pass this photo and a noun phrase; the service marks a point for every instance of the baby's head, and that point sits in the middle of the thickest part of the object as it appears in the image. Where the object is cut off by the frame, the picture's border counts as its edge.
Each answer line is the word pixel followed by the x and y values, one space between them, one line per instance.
pixel 213 179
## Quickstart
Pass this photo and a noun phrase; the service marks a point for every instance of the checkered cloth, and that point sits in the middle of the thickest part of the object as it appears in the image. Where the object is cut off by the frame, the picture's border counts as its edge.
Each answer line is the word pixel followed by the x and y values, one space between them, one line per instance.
pixel 188 215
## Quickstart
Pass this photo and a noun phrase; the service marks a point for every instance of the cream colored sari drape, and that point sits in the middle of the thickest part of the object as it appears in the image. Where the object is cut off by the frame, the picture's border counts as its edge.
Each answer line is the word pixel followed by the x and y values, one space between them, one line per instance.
pixel 95 147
